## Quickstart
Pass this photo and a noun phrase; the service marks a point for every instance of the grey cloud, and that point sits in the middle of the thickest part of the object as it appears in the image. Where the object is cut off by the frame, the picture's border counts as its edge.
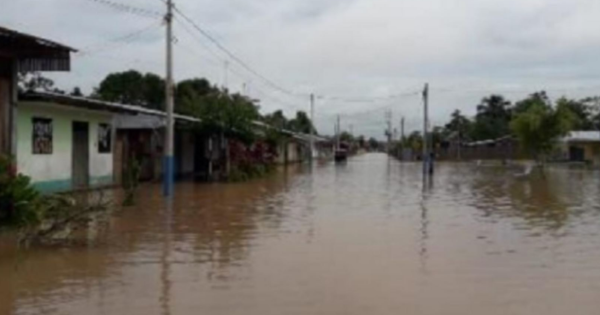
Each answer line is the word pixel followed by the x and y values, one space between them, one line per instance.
pixel 358 48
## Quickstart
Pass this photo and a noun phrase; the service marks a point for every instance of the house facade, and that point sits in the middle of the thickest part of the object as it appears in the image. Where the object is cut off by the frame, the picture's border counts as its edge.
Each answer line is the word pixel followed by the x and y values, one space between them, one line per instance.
pixel 64 147
pixel 581 146
pixel 21 53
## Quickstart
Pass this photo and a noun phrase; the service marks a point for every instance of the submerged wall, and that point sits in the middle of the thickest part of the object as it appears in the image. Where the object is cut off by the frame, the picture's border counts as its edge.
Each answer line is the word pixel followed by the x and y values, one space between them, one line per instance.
pixel 52 172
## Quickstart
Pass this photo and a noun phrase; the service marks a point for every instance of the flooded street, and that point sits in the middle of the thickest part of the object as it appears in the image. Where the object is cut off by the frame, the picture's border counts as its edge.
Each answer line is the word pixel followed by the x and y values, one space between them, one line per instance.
pixel 367 237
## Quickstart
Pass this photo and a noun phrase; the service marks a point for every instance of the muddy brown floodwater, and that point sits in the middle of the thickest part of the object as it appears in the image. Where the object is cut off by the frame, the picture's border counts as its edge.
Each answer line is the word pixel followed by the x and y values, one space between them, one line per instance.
pixel 362 238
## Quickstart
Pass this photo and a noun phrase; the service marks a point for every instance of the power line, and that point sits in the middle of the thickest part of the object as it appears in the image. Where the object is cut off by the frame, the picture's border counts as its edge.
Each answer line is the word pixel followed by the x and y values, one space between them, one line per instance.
pixel 233 57
pixel 129 9
pixel 116 42
pixel 369 100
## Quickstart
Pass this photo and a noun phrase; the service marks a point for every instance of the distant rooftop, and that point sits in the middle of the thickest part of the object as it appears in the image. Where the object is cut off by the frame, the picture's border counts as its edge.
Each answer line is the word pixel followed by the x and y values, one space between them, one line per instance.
pixel 582 136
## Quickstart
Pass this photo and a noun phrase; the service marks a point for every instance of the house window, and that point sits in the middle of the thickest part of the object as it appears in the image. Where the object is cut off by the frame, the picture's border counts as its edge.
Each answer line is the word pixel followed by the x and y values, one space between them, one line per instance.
pixel 104 138
pixel 42 136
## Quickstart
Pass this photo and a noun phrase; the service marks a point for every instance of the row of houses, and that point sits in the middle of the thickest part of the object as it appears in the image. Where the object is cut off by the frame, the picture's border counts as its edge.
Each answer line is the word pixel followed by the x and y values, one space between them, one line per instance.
pixel 576 146
pixel 67 142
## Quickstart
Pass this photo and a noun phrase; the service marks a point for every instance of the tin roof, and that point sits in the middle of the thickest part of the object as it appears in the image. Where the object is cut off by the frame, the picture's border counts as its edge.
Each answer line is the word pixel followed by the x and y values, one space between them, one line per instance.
pixel 34 53
pixel 582 136
pixel 88 103
pixel 144 115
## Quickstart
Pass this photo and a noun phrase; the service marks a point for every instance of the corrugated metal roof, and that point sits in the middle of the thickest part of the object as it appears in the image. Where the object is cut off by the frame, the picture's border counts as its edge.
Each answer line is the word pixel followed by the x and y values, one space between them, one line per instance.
pixel 34 53
pixel 34 40
pixel 88 103
pixel 141 121
pixel 582 136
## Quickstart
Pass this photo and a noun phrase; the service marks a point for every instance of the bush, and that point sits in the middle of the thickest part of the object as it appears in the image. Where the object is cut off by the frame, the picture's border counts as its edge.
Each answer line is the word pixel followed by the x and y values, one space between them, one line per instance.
pixel 19 201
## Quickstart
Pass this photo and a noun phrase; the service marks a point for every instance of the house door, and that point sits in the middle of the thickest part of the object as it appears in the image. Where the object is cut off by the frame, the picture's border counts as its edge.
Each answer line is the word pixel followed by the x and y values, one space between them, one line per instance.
pixel 576 154
pixel 201 162
pixel 80 166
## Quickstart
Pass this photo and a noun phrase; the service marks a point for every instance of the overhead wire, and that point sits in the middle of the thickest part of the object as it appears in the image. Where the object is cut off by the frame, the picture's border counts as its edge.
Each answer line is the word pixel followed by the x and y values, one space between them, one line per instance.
pixel 233 57
pixel 116 42
pixel 129 8
pixel 216 58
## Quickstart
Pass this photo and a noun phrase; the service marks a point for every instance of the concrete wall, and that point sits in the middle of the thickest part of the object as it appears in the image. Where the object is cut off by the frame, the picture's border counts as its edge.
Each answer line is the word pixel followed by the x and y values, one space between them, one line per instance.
pixel 5 101
pixel 288 153
pixel 4 113
pixel 591 151
pixel 52 172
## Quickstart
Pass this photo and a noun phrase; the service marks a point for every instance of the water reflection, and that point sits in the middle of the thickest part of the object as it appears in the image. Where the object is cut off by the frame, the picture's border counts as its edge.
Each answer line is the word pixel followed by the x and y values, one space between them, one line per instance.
pixel 537 199
pixel 366 237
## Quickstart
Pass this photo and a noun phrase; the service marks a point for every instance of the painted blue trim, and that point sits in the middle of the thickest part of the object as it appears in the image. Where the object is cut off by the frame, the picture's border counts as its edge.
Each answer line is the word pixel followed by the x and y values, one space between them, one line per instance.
pixel 65 185
pixel 168 175
pixel 53 186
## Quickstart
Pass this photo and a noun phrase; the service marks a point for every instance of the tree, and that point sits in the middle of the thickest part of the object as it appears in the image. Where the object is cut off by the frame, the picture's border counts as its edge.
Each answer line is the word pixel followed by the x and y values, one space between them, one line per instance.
pixel 277 119
pixel 492 119
pixel 535 98
pixel 345 136
pixel 361 141
pixel 459 125
pixel 132 87
pixel 415 141
pixel 540 126
pixel 373 144
pixel 221 112
pixel 188 92
pixel 593 104
pixel 582 112
pixel 76 92
pixel 301 123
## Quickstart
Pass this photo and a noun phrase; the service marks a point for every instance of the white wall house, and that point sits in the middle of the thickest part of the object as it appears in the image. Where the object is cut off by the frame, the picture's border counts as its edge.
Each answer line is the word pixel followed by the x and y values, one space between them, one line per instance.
pixel 66 142
pixel 64 147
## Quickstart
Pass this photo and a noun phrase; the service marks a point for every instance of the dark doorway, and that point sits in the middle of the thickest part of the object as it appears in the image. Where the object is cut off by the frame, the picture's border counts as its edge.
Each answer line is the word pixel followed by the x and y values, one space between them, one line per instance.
pixel 81 152
pixel 576 154
pixel 201 162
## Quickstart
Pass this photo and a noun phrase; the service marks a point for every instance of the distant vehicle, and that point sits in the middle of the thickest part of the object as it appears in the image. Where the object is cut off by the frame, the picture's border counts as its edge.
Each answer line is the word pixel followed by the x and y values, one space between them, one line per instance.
pixel 341 153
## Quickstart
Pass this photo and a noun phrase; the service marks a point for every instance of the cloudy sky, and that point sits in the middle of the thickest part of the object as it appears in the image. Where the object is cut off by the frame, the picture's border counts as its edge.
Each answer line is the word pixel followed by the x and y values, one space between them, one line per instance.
pixel 353 54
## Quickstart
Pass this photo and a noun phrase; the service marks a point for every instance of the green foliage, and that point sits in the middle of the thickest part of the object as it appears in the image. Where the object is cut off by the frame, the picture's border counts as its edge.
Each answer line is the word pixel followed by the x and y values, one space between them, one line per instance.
pixel 278 121
pixel 373 144
pixel 19 201
pixel 361 141
pixel 219 111
pixel 582 111
pixel 537 98
pixel 346 137
pixel 76 92
pixel 301 123
pixel 493 118
pixel 131 180
pixel 459 125
pixel 415 141
pixel 133 87
pixel 246 172
pixel 540 125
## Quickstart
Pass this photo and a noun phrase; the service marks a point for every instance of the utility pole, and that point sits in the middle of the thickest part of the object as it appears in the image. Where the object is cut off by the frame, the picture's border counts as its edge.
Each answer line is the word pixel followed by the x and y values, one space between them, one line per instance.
pixel 168 163
pixel 338 132
pixel 402 130
pixel 389 131
pixel 312 129
pixel 425 156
